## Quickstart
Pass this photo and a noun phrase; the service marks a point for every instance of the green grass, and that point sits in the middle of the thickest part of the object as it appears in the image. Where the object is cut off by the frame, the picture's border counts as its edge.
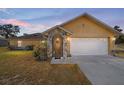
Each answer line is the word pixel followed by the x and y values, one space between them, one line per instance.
pixel 19 67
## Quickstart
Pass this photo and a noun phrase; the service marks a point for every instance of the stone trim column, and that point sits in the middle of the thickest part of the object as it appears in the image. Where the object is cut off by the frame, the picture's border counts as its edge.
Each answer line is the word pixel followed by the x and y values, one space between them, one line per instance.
pixel 49 43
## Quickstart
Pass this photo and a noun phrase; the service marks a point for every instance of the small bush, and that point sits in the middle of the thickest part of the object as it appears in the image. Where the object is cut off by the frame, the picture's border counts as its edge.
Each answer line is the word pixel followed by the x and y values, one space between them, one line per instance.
pixel 40 52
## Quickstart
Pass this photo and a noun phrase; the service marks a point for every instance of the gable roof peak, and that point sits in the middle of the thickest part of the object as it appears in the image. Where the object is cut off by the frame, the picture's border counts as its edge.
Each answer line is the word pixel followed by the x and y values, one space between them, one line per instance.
pixel 85 13
pixel 94 19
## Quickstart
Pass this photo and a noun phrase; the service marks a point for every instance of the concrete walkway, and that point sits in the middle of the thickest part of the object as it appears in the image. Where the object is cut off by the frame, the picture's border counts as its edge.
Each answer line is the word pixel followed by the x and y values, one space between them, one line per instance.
pixel 61 61
pixel 101 70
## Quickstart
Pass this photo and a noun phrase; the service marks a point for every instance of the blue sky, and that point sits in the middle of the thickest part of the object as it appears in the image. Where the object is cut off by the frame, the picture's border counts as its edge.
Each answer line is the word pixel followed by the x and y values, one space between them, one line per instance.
pixel 33 20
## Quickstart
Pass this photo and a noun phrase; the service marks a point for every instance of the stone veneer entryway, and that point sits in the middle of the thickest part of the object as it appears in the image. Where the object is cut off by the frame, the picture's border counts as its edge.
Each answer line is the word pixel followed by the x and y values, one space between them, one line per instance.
pixel 64 35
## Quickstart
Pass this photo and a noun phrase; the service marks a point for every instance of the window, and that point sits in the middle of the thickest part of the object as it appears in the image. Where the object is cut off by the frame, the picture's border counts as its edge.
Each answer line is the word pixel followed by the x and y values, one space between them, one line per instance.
pixel 19 43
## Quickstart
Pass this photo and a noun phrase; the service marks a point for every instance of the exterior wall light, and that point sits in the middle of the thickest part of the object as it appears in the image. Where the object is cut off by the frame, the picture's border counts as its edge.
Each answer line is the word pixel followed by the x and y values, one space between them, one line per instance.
pixel 43 41
pixel 68 38
pixel 113 38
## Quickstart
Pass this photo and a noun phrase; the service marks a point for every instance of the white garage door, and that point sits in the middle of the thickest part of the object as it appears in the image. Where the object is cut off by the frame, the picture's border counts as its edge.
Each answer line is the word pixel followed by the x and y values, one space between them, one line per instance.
pixel 89 46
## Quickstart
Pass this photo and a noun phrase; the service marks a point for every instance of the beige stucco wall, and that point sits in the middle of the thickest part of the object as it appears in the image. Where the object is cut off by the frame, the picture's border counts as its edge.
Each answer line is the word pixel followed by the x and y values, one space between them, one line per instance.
pixel 83 27
pixel 25 42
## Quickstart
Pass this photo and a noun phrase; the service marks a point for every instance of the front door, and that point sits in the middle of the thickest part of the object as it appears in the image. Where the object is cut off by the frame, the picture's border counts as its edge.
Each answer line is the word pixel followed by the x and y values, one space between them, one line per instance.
pixel 57 46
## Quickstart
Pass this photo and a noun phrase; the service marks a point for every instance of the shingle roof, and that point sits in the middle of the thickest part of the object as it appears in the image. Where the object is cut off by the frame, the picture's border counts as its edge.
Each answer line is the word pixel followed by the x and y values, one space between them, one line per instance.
pixel 29 36
pixel 3 39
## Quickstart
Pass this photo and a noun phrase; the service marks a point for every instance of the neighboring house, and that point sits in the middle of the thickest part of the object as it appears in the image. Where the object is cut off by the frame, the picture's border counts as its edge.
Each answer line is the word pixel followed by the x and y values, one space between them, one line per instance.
pixel 26 40
pixel 83 35
pixel 3 42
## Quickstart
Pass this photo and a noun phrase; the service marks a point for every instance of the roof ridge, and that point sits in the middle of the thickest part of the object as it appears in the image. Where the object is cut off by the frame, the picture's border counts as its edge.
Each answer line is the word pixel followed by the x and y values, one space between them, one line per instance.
pixel 92 17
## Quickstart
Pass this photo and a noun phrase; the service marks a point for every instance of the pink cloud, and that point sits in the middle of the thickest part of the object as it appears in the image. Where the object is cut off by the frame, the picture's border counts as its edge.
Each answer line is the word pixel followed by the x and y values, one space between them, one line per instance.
pixel 36 28
pixel 33 28
pixel 14 22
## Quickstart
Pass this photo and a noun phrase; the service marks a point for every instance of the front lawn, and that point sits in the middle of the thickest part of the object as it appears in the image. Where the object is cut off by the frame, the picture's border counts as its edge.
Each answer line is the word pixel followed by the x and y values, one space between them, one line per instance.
pixel 120 54
pixel 19 67
pixel 120 50
pixel 3 49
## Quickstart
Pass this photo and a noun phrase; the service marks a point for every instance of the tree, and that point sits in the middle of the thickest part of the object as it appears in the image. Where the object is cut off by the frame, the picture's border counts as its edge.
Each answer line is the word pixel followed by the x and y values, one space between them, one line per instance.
pixel 9 30
pixel 117 28
pixel 120 39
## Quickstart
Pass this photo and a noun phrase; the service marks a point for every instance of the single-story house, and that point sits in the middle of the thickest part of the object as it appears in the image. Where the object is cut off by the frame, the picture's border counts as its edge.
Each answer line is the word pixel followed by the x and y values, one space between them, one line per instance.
pixel 26 40
pixel 83 35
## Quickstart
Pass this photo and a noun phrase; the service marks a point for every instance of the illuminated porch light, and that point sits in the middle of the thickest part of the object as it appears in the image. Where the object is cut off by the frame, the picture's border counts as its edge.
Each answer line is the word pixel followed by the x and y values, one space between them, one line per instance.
pixel 68 38
pixel 113 38
pixel 43 41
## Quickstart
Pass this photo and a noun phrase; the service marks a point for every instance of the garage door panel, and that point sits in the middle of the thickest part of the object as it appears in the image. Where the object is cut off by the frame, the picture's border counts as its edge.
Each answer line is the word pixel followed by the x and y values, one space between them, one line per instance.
pixel 89 46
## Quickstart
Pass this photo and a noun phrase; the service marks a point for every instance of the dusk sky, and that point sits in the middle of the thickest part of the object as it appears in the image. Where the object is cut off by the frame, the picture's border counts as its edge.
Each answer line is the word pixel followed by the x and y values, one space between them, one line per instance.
pixel 33 20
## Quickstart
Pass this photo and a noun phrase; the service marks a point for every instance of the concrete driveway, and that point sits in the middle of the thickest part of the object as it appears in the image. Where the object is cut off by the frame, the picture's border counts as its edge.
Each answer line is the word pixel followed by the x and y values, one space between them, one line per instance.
pixel 102 70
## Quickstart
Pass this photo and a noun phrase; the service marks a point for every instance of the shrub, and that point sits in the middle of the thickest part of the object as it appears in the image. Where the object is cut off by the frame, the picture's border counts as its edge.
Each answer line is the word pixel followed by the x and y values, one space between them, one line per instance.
pixel 40 51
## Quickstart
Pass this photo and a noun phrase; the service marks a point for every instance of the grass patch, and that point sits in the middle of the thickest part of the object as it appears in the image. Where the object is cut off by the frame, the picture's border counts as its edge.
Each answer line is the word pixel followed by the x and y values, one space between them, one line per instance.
pixel 19 67
pixel 120 46
pixel 3 49
pixel 120 54
pixel 120 49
